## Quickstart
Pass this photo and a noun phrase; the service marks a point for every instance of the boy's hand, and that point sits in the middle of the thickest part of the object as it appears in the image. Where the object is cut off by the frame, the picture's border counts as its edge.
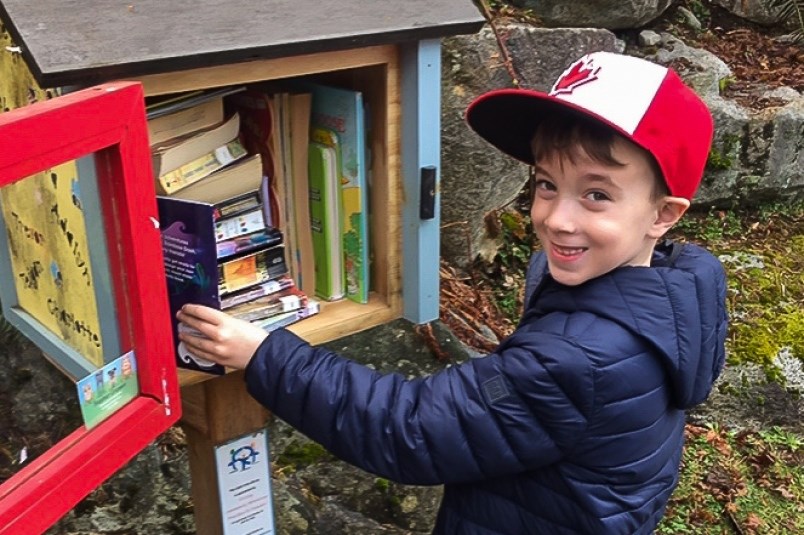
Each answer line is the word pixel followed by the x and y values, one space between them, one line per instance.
pixel 224 339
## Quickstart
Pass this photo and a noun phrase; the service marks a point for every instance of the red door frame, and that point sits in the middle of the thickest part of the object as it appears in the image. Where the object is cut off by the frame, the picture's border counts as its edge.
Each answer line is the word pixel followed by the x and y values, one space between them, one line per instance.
pixel 109 121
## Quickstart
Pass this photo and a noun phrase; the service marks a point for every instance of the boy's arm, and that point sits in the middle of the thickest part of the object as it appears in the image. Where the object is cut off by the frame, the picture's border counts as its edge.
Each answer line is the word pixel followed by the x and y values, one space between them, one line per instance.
pixel 488 417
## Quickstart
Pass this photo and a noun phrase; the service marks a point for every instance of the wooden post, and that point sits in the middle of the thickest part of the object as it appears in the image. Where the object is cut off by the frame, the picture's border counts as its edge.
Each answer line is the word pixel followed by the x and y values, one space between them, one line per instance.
pixel 215 412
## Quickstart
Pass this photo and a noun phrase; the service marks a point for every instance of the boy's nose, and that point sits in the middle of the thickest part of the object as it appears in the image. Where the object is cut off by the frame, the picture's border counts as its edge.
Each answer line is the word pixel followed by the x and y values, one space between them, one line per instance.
pixel 561 217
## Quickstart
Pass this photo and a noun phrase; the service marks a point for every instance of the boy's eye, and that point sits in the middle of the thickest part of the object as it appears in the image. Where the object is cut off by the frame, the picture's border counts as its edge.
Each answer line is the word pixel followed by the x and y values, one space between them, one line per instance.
pixel 597 196
pixel 541 184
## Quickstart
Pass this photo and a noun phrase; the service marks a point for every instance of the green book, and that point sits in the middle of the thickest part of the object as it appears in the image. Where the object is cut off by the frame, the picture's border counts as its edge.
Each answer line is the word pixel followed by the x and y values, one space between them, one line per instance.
pixel 325 221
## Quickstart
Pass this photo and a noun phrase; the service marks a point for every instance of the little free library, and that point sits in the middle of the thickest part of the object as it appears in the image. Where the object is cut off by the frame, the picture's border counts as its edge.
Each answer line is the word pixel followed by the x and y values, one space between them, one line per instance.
pixel 278 160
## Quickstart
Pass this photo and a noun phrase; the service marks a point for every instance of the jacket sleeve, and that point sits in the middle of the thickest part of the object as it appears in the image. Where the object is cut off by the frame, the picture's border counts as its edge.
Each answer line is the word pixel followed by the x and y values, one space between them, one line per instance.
pixel 513 410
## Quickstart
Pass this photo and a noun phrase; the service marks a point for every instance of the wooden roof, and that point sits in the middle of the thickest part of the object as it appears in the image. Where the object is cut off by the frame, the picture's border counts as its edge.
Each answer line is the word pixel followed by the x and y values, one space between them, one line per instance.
pixel 77 42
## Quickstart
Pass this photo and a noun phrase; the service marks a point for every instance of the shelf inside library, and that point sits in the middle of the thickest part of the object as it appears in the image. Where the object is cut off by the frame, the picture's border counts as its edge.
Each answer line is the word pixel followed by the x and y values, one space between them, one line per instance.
pixel 336 319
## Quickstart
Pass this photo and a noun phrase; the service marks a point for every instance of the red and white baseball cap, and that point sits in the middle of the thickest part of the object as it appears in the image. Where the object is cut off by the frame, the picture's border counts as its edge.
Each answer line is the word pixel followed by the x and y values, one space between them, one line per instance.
pixel 645 102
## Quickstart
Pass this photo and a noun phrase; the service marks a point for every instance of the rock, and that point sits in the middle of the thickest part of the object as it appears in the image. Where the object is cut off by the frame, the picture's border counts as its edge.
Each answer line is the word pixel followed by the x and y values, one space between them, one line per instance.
pixel 700 69
pixel 784 93
pixel 785 157
pixel 649 38
pixel 609 14
pixel 754 10
pixel 743 399
pixel 475 178
pixel 690 19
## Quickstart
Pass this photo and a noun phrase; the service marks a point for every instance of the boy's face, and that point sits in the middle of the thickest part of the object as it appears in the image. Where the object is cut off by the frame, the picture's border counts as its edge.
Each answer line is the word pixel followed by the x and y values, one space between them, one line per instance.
pixel 592 217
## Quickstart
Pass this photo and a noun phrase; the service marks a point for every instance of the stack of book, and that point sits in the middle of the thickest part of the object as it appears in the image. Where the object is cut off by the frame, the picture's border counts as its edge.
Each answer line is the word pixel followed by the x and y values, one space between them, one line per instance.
pixel 220 246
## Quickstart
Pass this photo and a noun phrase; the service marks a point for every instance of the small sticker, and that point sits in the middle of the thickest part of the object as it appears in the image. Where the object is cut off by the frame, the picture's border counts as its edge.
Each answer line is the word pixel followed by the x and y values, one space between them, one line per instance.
pixel 107 389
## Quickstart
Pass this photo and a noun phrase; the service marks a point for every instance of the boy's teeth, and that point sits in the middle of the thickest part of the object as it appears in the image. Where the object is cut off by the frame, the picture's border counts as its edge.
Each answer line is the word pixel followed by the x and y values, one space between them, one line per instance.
pixel 566 251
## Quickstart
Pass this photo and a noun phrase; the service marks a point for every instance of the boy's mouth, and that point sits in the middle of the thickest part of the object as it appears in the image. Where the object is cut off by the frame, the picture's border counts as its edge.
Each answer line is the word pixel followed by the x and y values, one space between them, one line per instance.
pixel 567 253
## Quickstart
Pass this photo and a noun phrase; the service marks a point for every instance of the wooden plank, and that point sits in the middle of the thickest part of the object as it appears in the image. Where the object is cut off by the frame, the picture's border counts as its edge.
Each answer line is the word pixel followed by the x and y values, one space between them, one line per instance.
pixel 262 70
pixel 337 320
pixel 223 410
pixel 153 36
pixel 421 137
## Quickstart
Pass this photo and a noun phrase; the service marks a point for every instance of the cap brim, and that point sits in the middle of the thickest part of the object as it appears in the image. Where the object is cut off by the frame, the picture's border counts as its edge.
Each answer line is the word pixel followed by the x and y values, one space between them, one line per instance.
pixel 507 118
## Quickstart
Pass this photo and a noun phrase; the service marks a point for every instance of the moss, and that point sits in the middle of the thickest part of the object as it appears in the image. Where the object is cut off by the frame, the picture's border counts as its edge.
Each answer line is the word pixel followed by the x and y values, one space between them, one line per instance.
pixel 298 456
pixel 766 308
pixel 382 484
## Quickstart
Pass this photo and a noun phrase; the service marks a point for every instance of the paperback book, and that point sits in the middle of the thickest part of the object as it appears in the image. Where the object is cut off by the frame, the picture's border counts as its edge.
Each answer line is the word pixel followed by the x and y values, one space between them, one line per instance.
pixel 194 272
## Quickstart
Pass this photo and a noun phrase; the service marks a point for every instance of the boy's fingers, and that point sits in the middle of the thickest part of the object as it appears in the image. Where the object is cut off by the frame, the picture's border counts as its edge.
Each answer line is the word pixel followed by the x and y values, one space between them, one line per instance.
pixel 206 314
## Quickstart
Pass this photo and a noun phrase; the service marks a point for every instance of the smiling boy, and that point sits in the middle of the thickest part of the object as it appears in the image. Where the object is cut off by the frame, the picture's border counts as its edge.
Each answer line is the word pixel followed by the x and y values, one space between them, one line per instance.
pixel 575 424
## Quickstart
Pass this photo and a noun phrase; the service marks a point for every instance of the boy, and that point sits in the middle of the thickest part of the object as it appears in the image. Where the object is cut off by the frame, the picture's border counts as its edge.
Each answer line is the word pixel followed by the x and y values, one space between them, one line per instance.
pixel 575 424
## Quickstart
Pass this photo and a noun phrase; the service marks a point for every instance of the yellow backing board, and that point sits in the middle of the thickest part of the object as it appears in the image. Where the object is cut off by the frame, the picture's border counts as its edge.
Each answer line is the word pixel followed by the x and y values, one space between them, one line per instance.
pixel 47 232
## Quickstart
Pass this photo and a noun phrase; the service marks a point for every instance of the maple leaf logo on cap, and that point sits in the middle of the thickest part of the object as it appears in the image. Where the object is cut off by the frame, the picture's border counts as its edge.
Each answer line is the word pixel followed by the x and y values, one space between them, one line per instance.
pixel 581 72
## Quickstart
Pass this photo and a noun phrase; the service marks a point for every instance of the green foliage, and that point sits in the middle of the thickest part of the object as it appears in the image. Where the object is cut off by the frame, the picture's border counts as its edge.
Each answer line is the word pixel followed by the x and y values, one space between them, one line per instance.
pixel 512 259
pixel 714 225
pixel 725 156
pixel 749 481
pixel 724 83
pixel 791 11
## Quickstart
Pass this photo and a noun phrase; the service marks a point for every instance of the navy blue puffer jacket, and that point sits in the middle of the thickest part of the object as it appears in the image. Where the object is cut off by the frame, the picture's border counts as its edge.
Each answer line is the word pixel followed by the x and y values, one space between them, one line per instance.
pixel 574 425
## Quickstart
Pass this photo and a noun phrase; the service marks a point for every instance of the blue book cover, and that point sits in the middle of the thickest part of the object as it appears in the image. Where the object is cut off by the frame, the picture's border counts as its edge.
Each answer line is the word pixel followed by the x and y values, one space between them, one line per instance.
pixel 341 111
pixel 191 266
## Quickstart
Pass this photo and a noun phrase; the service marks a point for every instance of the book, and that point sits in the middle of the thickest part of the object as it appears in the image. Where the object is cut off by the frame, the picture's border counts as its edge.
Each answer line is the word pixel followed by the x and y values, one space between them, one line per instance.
pixel 270 305
pixel 252 269
pixel 342 111
pixel 254 292
pixel 194 272
pixel 158 106
pixel 240 245
pixel 177 152
pixel 240 224
pixel 291 138
pixel 273 323
pixel 325 221
pixel 232 180
pixel 200 168
pixel 239 204
pixel 185 121
pixel 300 109
pixel 255 108
pixel 188 246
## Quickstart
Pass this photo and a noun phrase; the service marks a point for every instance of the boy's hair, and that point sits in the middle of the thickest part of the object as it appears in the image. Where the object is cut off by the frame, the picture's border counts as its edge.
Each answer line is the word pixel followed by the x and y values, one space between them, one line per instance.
pixel 571 135
pixel 646 103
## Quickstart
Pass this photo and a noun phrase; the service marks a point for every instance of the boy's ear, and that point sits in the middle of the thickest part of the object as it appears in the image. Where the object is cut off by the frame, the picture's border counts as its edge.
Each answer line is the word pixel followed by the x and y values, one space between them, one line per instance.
pixel 669 211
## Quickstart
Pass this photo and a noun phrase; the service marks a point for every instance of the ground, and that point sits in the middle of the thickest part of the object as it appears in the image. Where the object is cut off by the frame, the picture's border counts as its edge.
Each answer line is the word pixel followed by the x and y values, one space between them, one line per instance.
pixel 756 55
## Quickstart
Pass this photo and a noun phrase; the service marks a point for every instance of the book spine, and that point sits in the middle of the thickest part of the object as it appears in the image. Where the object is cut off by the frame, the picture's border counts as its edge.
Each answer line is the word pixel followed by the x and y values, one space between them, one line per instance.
pixel 200 168
pixel 288 318
pixel 324 191
pixel 266 288
pixel 279 304
pixel 252 269
pixel 249 242
pixel 229 228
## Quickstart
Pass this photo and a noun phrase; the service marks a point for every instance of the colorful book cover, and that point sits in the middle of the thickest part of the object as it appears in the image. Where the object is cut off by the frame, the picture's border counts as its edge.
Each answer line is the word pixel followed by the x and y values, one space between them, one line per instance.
pixel 191 267
pixel 325 222
pixel 342 111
